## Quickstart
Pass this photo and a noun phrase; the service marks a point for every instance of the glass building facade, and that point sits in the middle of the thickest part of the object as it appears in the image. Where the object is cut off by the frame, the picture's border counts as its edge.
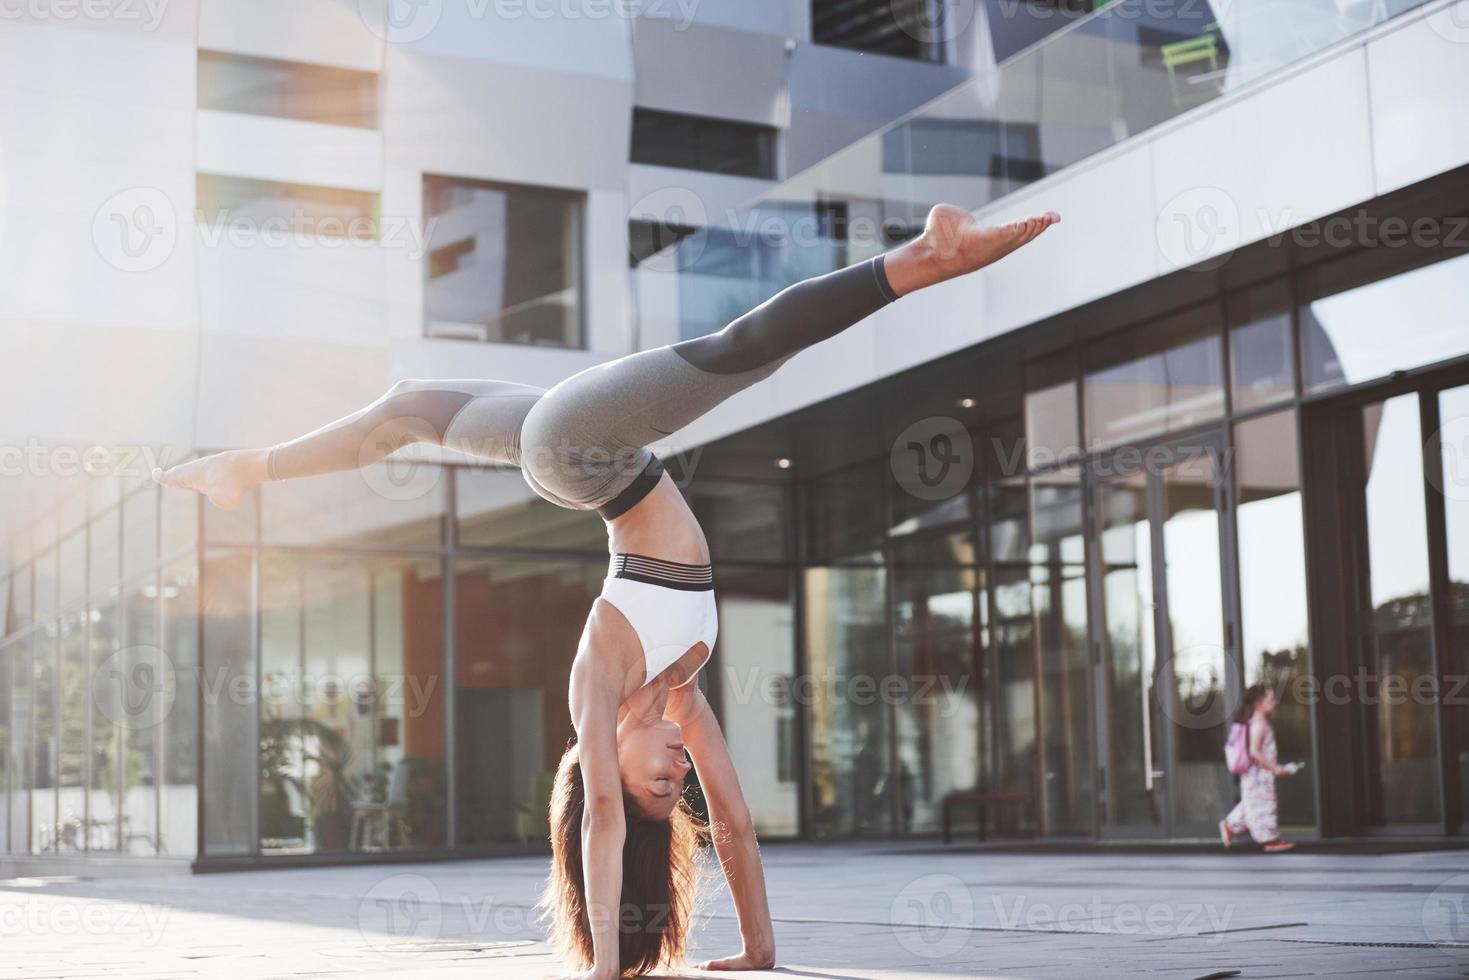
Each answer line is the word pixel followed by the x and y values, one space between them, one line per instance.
pixel 1252 485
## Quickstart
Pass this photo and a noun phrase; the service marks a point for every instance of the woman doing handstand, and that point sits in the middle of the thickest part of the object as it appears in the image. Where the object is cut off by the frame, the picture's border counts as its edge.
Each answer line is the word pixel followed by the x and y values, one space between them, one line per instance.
pixel 623 844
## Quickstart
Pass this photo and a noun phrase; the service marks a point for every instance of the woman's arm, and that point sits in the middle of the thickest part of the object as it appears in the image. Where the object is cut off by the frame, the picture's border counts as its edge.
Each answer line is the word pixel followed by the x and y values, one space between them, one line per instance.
pixel 596 693
pixel 732 829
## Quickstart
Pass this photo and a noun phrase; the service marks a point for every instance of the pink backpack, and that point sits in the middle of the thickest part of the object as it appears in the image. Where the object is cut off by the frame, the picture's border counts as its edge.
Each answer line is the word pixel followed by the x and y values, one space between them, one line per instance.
pixel 1237 749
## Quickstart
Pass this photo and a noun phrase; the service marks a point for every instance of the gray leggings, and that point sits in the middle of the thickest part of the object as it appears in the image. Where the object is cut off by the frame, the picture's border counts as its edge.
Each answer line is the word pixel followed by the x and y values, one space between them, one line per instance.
pixel 583 444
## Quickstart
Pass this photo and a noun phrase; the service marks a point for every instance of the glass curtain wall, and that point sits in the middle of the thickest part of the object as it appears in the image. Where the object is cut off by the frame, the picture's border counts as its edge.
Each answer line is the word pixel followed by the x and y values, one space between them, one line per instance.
pixel 90 714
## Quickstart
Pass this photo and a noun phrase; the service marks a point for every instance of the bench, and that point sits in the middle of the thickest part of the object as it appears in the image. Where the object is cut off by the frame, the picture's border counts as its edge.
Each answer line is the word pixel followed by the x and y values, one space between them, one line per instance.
pixel 982 803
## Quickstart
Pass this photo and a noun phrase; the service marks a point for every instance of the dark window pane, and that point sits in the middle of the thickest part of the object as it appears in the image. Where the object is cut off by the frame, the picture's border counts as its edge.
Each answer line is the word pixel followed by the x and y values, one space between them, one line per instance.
pixel 742 520
pixel 933 146
pixel 937 714
pixel 352 711
pixel 844 518
pixel 270 210
pixel 1155 378
pixel 516 629
pixel 647 238
pixel 497 509
pixel 1262 357
pixel 721 146
pixel 1058 598
pixel 1050 411
pixel 231 775
pixel 504 262
pixel 847 649
pixel 287 90
pixel 900 28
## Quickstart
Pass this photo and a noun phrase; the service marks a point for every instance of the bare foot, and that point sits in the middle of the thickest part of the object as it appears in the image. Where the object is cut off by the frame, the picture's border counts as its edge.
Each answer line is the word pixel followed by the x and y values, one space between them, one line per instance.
pixel 224 477
pixel 954 243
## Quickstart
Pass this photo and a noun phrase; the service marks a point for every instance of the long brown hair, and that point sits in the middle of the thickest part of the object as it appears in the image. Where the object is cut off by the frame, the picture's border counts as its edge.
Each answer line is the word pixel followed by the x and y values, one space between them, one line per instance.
pixel 1251 697
pixel 661 873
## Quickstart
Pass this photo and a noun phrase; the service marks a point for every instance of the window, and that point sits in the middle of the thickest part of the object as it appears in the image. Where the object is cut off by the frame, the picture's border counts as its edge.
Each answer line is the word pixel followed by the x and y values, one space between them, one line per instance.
pixel 720 146
pixel 504 262
pixel 1050 410
pixel 287 90
pixel 1160 377
pixel 265 208
pixel 1388 325
pixel 646 239
pixel 1262 364
pixel 902 28
pixel 930 146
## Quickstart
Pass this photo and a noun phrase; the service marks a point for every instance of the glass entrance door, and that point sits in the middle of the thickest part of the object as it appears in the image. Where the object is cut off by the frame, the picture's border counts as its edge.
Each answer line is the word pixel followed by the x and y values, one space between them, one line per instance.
pixel 1388 480
pixel 1162 639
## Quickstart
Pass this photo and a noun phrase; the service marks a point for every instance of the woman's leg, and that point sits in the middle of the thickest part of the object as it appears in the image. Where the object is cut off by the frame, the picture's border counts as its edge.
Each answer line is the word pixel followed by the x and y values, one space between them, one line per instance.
pixel 585 442
pixel 481 418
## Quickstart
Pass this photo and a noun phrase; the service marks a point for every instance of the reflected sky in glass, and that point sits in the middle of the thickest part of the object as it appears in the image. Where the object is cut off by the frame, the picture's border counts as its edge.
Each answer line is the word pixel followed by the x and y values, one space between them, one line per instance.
pixel 1394 324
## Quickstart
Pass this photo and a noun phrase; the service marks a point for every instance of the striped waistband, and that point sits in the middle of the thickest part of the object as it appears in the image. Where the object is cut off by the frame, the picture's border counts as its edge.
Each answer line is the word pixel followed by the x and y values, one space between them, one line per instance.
pixel 657 571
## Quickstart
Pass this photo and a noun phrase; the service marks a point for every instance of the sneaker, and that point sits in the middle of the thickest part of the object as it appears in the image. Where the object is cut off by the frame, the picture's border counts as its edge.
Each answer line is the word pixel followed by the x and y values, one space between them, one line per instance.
pixel 1277 845
pixel 1225 834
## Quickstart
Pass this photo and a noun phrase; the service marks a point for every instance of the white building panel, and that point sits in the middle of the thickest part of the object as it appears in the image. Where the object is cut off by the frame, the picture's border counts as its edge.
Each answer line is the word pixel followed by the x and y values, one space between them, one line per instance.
pixel 1418 76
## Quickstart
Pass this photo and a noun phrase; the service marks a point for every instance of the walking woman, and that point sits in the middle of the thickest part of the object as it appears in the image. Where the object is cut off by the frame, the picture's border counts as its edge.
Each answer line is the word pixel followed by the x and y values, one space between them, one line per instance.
pixel 624 845
pixel 1257 811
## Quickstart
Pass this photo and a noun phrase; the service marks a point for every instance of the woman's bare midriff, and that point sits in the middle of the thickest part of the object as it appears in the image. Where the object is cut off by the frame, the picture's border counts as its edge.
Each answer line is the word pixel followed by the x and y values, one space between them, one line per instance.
pixel 660 526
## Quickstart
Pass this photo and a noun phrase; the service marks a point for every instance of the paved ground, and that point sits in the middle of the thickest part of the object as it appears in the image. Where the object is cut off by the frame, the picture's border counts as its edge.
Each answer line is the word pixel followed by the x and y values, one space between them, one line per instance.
pixel 841 912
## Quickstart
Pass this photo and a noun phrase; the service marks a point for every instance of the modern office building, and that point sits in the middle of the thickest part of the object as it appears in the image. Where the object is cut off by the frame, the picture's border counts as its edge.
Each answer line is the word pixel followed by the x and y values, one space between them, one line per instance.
pixel 1028 533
